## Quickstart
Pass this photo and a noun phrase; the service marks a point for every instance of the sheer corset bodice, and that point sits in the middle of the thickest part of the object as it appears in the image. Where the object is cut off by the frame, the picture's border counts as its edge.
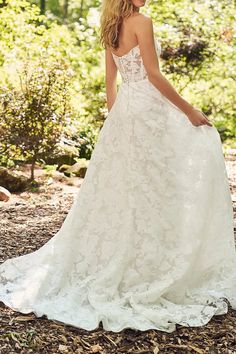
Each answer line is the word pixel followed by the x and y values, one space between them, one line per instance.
pixel 130 65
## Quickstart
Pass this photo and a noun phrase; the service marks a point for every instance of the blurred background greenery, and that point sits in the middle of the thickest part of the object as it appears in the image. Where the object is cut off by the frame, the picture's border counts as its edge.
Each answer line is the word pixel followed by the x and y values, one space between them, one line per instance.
pixel 52 94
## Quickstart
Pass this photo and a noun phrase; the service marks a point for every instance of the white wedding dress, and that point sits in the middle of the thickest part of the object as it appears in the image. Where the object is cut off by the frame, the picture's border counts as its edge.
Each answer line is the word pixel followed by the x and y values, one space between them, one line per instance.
pixel 148 242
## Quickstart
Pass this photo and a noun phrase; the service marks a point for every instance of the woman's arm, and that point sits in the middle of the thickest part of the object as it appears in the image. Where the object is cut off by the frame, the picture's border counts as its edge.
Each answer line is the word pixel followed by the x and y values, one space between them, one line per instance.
pixel 111 75
pixel 144 32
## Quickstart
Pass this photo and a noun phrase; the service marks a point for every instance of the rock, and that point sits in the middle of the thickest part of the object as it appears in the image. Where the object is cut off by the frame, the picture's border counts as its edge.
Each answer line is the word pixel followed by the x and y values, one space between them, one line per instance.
pixel 59 176
pixel 4 194
pixel 50 181
pixel 64 168
pixel 67 151
pixel 12 181
pixel 64 154
pixel 78 169
pixel 61 160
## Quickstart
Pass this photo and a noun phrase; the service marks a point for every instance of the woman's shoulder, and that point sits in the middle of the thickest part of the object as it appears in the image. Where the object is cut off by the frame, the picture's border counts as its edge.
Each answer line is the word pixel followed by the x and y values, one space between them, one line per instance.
pixel 140 19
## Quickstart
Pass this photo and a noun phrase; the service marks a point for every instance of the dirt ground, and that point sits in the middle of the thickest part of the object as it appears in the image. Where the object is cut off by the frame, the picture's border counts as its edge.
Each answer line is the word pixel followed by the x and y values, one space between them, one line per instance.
pixel 31 218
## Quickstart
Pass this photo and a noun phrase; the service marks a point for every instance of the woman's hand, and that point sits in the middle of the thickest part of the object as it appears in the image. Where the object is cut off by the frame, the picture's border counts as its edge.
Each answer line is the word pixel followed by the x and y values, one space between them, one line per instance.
pixel 197 117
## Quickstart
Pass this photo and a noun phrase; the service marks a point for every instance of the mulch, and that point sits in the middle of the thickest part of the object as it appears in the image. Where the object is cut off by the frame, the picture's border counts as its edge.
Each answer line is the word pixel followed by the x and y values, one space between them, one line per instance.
pixel 28 221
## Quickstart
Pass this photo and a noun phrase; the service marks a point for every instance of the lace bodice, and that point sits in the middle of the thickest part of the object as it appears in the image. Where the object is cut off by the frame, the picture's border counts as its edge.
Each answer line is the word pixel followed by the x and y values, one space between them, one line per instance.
pixel 130 65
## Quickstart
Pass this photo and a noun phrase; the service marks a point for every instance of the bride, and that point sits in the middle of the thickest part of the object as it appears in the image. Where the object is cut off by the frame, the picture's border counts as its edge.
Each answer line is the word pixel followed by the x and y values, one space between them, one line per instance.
pixel 148 242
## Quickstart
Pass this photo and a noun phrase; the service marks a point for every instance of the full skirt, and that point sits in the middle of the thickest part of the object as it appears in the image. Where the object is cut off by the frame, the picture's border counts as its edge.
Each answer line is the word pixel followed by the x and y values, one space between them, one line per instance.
pixel 148 242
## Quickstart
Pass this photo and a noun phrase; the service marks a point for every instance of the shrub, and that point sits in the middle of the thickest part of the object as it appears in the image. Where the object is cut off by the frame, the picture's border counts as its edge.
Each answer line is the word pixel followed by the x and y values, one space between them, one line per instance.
pixel 33 116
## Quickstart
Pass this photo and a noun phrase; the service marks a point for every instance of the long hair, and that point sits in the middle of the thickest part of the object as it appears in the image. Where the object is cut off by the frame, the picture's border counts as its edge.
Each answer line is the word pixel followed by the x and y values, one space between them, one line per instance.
pixel 112 14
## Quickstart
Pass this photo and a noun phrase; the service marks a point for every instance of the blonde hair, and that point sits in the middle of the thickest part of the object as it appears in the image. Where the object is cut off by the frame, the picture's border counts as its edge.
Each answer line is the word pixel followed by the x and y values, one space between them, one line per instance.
pixel 112 14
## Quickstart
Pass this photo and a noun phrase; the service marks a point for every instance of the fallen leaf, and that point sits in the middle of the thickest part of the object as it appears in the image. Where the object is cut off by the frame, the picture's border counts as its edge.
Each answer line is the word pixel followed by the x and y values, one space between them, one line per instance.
pixel 156 350
pixel 96 348
pixel 25 318
pixel 197 350
pixel 63 348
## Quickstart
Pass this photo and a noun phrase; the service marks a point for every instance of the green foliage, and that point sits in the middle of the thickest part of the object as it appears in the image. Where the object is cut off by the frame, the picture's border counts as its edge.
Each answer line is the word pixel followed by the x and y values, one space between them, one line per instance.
pixel 197 40
pixel 78 141
pixel 86 138
pixel 50 168
pixel 32 118
pixel 71 10
pixel 38 39
pixel 24 339
pixel 198 57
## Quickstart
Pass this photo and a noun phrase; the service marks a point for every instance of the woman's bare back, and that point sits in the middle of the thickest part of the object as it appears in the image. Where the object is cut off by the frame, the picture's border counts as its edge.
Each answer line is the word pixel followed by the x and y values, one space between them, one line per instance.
pixel 127 37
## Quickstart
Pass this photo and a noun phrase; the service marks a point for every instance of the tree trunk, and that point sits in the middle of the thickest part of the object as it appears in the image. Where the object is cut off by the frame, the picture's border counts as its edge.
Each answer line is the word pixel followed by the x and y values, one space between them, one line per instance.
pixel 81 8
pixel 42 6
pixel 66 5
pixel 32 169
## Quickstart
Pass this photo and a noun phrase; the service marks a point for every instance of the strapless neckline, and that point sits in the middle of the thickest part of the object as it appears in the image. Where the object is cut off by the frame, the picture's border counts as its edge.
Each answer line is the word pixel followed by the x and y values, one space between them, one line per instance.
pixel 133 48
pixel 120 56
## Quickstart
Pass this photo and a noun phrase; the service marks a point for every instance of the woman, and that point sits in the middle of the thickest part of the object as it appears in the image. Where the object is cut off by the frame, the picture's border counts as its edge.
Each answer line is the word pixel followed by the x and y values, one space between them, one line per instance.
pixel 148 242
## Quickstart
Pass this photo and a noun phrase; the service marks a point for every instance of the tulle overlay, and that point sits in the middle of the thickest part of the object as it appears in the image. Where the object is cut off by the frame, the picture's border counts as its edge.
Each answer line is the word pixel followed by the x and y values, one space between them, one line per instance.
pixel 148 242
